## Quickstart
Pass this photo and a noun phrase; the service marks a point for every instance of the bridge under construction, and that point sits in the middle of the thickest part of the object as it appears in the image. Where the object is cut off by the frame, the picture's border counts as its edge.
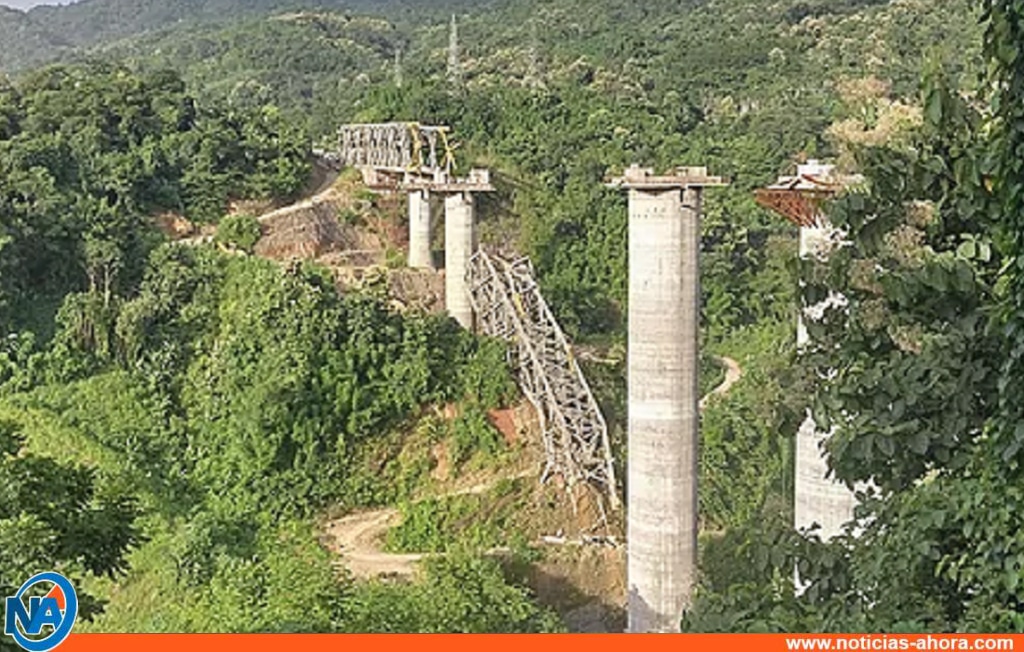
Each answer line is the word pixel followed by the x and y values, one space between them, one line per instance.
pixel 502 298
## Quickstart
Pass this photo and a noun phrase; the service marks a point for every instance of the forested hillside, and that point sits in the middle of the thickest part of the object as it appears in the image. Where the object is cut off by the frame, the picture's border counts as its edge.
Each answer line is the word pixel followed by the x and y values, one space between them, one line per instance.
pixel 214 407
pixel 47 32
pixel 202 405
pixel 26 43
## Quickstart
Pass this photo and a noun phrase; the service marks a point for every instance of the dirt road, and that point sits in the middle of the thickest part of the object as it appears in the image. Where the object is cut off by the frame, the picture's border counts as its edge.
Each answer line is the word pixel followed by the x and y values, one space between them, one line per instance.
pixel 359 538
pixel 733 374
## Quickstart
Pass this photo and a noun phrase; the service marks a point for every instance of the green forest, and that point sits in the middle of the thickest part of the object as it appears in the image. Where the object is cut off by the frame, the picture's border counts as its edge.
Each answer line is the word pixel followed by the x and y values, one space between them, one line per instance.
pixel 200 415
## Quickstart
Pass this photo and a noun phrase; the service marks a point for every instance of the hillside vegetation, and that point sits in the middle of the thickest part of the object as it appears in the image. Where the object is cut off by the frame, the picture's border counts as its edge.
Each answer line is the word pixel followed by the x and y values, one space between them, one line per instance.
pixel 49 32
pixel 205 406
pixel 223 403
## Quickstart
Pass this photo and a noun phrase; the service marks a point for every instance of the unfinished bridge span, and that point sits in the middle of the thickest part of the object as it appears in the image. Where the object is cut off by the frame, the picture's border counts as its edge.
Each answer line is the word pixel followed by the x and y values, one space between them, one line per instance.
pixel 502 299
pixel 396 147
pixel 483 292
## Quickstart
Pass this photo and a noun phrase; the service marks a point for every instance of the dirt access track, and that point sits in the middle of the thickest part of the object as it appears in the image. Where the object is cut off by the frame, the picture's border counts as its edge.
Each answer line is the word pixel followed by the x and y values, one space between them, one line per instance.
pixel 358 538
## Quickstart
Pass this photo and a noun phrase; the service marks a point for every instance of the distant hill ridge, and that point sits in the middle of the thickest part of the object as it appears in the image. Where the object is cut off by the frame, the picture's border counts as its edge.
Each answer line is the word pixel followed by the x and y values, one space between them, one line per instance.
pixel 25 41
pixel 51 33
pixel 46 33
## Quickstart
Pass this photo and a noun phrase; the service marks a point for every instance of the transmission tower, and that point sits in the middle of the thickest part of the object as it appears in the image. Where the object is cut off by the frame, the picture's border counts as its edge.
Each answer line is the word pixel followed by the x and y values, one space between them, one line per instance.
pixel 534 75
pixel 454 62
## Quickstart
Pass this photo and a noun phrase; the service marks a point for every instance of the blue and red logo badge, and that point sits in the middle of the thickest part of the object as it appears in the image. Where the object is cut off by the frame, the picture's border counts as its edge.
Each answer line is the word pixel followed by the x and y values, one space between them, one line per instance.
pixel 39 624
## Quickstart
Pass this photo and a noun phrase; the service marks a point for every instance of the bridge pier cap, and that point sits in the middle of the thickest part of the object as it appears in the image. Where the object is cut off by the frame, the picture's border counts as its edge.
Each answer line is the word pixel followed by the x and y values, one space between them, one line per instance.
pixel 639 178
pixel 478 180
pixel 663 406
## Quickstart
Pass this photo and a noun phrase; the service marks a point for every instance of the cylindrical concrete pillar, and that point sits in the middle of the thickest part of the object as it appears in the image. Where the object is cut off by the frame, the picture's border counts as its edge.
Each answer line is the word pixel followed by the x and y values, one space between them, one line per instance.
pixel 818 498
pixel 664 310
pixel 419 230
pixel 459 245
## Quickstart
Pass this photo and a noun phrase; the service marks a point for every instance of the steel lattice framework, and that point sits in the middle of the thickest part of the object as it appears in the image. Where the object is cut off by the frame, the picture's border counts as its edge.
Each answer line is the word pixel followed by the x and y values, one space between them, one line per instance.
pixel 396 147
pixel 801 199
pixel 509 305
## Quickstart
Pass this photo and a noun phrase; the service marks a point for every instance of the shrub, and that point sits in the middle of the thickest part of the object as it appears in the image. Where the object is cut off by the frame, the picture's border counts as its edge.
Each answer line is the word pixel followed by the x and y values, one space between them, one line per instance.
pixel 239 231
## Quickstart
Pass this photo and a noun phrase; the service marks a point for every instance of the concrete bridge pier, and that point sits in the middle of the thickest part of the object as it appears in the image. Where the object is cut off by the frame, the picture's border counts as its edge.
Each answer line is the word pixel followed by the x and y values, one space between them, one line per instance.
pixel 818 498
pixel 459 245
pixel 460 238
pixel 419 230
pixel 664 417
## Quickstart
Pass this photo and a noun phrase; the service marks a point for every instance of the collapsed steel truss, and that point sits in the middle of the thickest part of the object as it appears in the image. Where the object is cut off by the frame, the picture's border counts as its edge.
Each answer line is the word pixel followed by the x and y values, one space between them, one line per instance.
pixel 396 146
pixel 509 306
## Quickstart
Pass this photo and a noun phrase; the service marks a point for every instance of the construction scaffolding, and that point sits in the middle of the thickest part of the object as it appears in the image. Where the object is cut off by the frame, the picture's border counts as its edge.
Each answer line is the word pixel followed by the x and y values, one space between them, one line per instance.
pixel 509 306
pixel 396 147
pixel 801 199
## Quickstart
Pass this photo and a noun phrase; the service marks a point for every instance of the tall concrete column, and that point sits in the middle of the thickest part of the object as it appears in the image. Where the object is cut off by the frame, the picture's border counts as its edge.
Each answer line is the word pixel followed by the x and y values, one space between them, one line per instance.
pixel 818 498
pixel 664 417
pixel 664 310
pixel 419 230
pixel 459 245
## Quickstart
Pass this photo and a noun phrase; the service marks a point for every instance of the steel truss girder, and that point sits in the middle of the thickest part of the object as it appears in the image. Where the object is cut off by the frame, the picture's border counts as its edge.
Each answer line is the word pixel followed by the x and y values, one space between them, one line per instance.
pixel 509 305
pixel 396 146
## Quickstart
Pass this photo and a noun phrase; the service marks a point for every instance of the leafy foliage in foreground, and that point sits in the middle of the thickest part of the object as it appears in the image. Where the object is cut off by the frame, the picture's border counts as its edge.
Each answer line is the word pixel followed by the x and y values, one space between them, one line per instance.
pixel 55 516
pixel 268 381
pixel 911 376
pixel 223 422
pixel 234 398
pixel 240 231
pixel 460 594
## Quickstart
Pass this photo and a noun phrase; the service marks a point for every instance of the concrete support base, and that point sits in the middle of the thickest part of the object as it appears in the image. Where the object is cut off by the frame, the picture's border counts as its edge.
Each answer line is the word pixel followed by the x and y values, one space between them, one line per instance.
pixel 664 309
pixel 819 499
pixel 459 245
pixel 419 230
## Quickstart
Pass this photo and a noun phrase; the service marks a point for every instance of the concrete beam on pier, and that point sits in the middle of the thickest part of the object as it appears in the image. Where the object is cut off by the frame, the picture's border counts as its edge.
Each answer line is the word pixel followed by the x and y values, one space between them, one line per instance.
pixel 478 180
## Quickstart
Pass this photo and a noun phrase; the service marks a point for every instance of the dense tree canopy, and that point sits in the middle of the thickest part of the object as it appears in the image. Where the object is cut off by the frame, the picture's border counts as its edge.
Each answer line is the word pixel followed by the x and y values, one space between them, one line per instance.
pixel 89 153
pixel 235 399
pixel 57 516
pixel 917 377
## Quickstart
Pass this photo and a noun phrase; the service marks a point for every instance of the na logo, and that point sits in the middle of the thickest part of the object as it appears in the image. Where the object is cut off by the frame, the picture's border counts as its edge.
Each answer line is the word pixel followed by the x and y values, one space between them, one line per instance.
pixel 40 624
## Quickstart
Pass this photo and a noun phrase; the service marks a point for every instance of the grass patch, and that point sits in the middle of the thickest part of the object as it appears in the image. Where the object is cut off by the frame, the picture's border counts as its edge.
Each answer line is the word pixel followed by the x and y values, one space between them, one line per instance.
pixel 469 521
